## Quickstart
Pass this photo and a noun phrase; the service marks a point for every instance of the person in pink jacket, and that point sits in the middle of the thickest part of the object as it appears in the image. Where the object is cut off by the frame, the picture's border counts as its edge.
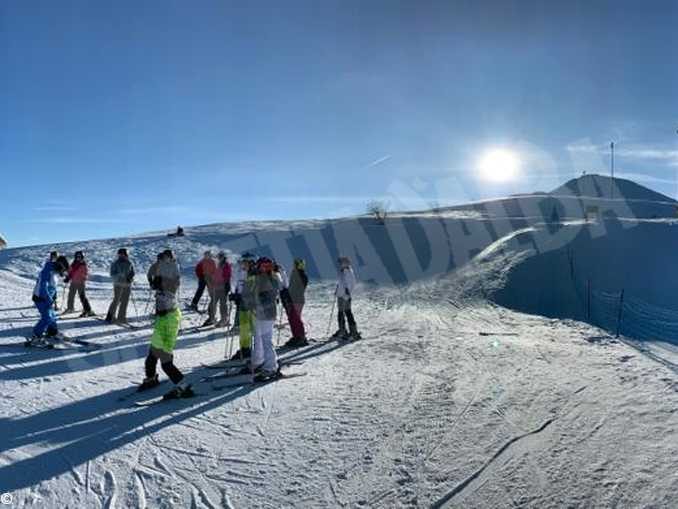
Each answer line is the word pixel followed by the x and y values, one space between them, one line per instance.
pixel 221 287
pixel 77 275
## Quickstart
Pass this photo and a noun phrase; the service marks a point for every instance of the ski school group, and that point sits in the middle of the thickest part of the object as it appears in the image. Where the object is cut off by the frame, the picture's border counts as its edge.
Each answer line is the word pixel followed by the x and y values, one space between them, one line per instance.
pixel 254 289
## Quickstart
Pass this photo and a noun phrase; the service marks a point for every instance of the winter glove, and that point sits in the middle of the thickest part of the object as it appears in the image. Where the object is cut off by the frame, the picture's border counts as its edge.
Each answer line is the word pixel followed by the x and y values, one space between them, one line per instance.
pixel 37 299
pixel 67 279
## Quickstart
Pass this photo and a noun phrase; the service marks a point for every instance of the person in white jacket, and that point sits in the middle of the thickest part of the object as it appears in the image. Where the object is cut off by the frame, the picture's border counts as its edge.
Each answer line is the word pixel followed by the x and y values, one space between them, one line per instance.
pixel 344 294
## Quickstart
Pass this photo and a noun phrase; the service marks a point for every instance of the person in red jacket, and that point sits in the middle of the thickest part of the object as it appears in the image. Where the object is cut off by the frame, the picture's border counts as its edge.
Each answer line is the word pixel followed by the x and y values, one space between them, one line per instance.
pixel 77 275
pixel 220 288
pixel 204 271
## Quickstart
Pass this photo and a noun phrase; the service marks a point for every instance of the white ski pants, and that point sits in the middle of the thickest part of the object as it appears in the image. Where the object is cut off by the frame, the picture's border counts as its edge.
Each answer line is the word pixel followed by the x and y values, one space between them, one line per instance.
pixel 264 353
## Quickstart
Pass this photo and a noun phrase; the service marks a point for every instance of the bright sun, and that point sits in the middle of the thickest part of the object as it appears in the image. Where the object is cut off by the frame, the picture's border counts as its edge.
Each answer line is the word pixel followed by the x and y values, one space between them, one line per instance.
pixel 498 165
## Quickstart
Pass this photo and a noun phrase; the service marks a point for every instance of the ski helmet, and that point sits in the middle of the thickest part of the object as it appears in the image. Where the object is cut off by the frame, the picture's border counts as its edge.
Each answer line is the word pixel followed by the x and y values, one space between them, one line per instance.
pixel 61 264
pixel 299 264
pixel 344 261
pixel 264 265
pixel 122 252
pixel 247 259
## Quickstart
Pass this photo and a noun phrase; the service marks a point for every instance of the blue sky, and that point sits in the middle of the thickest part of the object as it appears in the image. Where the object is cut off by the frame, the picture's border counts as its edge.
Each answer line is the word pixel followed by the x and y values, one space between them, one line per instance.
pixel 124 117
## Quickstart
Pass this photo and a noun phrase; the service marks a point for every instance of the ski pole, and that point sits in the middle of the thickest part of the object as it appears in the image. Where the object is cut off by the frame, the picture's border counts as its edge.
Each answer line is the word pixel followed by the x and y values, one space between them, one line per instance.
pixel 134 300
pixel 334 301
pixel 277 341
pixel 149 301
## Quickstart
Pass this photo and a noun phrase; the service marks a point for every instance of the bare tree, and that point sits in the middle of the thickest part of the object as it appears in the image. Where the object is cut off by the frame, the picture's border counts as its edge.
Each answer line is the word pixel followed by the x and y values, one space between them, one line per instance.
pixel 378 209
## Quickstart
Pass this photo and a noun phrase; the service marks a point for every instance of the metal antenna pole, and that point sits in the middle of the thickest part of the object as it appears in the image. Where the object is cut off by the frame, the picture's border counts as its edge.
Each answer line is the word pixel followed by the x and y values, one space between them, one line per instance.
pixel 612 169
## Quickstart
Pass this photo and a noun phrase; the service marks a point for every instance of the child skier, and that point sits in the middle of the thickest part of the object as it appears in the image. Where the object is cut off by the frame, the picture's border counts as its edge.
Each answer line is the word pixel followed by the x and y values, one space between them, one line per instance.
pixel 166 282
pixel 244 309
pixel 44 295
pixel 344 291
pixel 53 258
pixel 122 274
pixel 296 298
pixel 261 293
pixel 77 275
pixel 153 269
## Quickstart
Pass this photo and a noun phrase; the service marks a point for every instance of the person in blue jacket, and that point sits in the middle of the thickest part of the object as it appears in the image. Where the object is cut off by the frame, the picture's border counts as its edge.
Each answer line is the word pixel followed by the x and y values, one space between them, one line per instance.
pixel 44 295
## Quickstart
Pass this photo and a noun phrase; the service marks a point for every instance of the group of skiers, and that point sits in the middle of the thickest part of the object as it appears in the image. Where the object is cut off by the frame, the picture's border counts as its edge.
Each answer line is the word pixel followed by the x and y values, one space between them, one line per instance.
pixel 255 287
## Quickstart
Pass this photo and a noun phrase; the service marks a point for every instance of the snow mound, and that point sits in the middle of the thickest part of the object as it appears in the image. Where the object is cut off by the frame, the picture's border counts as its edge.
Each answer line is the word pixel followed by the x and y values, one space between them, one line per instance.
pixel 601 186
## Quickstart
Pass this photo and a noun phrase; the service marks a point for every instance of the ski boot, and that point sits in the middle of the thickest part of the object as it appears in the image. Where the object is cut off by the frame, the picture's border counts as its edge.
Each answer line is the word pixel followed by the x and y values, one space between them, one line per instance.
pixel 108 319
pixel 355 335
pixel 180 391
pixel 68 311
pixel 296 342
pixel 263 375
pixel 34 340
pixel 148 383
pixel 86 314
pixel 209 322
pixel 340 334
pixel 243 353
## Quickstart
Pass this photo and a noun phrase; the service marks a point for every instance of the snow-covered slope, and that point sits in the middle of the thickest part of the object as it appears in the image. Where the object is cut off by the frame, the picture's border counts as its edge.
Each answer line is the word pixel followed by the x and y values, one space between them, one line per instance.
pixel 574 200
pixel 449 401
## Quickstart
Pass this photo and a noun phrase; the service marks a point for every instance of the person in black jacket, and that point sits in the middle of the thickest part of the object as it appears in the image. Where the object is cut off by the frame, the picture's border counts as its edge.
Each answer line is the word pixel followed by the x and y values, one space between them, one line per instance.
pixel 122 274
pixel 296 298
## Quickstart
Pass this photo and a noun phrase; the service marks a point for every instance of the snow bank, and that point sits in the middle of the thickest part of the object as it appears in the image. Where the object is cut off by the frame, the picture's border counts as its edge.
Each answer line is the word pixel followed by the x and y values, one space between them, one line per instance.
pixel 584 278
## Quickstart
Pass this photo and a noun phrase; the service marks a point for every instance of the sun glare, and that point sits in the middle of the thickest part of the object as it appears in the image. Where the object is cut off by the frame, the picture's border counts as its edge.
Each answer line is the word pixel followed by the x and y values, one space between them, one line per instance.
pixel 498 165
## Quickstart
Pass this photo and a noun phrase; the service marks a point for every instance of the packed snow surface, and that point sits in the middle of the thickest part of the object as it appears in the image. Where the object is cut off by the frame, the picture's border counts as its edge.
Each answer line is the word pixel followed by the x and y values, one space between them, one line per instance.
pixel 450 400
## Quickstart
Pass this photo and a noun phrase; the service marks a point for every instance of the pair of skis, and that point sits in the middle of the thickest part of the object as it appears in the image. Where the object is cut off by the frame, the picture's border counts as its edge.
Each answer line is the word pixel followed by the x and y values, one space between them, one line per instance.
pixel 234 380
pixel 203 328
pixel 61 342
pixel 124 325
pixel 76 317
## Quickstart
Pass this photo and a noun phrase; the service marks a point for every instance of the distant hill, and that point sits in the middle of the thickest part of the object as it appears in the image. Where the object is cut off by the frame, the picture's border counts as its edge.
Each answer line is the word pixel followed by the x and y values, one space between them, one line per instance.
pixel 600 186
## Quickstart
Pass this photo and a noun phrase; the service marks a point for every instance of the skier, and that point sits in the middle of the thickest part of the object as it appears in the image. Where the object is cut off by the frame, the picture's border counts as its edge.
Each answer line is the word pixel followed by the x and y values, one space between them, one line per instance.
pixel 153 269
pixel 122 273
pixel 204 271
pixel 221 287
pixel 77 275
pixel 237 280
pixel 53 255
pixel 343 293
pixel 166 283
pixel 261 293
pixel 44 295
pixel 245 309
pixel 298 281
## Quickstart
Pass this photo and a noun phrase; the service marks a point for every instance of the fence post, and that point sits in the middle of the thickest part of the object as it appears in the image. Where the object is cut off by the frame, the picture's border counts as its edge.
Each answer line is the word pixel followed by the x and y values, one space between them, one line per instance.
pixel 621 307
pixel 588 299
